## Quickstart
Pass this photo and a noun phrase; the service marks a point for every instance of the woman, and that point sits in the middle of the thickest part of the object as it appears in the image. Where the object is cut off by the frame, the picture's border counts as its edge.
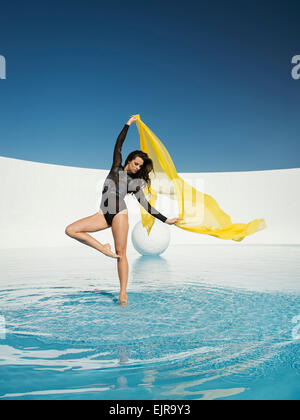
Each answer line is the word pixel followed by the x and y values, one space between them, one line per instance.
pixel 130 178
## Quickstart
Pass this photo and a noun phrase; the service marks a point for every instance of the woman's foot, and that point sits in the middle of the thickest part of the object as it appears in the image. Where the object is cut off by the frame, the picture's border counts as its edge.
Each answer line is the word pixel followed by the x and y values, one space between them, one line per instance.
pixel 123 299
pixel 107 251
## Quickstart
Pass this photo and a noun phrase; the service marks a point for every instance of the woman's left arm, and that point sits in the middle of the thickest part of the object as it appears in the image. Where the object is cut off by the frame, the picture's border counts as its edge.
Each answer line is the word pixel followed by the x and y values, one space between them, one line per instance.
pixel 147 206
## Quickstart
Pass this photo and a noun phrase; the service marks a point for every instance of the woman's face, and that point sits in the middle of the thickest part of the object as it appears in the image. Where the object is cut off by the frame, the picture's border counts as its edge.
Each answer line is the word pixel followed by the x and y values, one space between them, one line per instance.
pixel 135 164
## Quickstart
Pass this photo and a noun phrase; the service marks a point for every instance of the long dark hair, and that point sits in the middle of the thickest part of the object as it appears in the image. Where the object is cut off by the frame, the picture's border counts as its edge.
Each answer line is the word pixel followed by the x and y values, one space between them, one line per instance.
pixel 147 167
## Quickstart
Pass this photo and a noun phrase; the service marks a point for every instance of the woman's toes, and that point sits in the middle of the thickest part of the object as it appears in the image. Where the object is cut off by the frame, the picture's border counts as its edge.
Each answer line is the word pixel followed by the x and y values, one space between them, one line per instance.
pixel 123 299
pixel 107 251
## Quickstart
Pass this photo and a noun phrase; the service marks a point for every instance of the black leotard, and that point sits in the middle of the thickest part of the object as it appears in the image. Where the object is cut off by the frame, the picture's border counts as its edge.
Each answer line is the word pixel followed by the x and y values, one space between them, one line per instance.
pixel 119 182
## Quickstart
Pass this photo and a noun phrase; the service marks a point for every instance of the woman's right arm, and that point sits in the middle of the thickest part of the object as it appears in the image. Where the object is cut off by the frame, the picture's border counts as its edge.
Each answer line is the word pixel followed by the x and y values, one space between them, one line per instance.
pixel 117 157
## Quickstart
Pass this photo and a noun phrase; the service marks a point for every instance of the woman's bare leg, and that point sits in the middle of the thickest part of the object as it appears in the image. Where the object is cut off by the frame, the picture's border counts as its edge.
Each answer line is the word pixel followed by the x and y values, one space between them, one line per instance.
pixel 119 229
pixel 94 223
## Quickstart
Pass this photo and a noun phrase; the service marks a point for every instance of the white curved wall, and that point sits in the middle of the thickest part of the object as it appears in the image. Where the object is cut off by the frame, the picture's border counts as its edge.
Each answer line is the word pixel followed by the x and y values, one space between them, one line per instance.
pixel 39 200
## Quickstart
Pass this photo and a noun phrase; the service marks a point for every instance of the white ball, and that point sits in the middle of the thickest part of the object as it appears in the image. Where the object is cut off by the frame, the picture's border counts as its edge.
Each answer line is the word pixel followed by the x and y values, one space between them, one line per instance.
pixel 155 243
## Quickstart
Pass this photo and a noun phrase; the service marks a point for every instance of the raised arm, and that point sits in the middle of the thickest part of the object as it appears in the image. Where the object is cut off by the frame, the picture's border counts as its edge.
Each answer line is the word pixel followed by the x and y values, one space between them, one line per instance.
pixel 117 160
pixel 139 194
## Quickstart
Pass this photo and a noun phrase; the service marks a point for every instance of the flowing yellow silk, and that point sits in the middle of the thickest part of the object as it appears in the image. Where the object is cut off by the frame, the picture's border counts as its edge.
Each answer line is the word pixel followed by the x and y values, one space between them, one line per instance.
pixel 199 211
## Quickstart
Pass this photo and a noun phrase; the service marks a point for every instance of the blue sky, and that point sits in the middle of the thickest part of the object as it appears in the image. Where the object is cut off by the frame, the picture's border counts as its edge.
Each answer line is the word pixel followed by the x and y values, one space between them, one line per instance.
pixel 211 79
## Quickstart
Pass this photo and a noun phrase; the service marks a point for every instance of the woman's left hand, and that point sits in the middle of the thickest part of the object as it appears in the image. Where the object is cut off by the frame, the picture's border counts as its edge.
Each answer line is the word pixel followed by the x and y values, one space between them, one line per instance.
pixel 173 220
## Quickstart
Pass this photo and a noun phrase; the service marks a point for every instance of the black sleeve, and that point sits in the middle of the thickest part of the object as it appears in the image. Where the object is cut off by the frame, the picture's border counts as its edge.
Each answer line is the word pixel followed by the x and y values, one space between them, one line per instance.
pixel 117 160
pixel 147 206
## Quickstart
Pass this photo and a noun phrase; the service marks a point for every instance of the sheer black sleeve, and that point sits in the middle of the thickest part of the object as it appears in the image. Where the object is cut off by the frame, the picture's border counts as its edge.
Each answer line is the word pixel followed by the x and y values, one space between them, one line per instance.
pixel 139 194
pixel 117 159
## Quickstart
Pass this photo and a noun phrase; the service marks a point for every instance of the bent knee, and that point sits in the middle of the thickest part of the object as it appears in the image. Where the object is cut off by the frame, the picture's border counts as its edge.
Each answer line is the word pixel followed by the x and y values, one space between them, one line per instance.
pixel 70 231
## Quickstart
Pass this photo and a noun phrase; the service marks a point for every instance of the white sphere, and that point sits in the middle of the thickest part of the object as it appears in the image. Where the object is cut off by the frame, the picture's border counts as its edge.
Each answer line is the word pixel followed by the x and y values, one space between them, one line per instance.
pixel 155 243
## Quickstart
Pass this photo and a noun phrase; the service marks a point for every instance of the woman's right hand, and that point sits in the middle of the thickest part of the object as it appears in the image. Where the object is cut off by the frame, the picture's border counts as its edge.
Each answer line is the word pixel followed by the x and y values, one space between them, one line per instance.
pixel 132 119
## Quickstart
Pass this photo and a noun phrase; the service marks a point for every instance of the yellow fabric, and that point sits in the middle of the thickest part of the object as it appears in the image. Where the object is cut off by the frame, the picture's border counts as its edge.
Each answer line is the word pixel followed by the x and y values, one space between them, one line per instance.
pixel 199 211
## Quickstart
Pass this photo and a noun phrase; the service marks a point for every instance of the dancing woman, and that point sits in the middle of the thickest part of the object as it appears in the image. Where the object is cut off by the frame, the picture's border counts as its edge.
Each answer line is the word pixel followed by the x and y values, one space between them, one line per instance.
pixel 121 180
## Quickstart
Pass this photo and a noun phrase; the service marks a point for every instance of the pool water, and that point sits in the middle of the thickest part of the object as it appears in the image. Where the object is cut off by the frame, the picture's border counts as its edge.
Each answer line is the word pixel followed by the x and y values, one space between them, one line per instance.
pixel 203 322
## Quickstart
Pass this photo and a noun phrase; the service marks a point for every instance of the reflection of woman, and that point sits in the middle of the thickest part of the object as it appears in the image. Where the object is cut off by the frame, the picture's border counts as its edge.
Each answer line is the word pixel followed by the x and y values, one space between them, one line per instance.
pixel 113 211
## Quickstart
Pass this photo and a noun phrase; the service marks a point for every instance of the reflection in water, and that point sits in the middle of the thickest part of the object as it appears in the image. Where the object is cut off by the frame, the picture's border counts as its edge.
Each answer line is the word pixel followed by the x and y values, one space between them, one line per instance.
pixel 122 382
pixel 149 374
pixel 150 270
pixel 123 357
pixel 213 394
pixel 184 335
pixel 149 379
